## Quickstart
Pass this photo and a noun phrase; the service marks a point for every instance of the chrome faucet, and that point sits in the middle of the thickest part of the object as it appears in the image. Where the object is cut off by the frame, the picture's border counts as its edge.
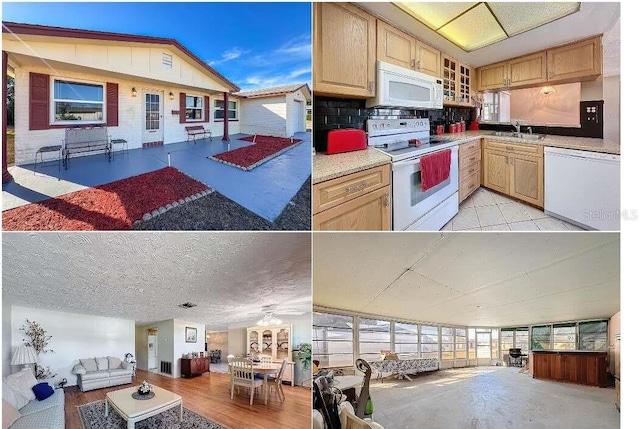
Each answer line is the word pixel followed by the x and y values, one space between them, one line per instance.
pixel 516 126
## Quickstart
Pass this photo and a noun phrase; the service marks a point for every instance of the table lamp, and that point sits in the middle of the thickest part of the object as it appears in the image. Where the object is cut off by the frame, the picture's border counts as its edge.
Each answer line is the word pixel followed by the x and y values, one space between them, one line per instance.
pixel 24 355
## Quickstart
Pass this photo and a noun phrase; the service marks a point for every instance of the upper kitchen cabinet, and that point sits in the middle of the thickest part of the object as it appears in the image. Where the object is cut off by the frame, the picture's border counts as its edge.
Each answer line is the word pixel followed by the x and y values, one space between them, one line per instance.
pixel 493 76
pixel 457 82
pixel 577 61
pixel 401 49
pixel 466 87
pixel 531 69
pixel 344 50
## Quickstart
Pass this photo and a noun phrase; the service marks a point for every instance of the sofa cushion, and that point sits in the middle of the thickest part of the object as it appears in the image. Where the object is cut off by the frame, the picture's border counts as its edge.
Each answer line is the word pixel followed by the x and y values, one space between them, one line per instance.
pixel 42 391
pixel 49 418
pixel 95 375
pixel 89 364
pixel 119 372
pixel 9 414
pixel 15 399
pixel 55 400
pixel 78 369
pixel 103 363
pixel 114 362
pixel 22 382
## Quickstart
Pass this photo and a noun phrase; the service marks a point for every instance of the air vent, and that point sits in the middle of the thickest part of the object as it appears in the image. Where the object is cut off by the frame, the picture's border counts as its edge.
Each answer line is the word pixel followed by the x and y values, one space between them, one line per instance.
pixel 165 367
pixel 187 305
pixel 167 60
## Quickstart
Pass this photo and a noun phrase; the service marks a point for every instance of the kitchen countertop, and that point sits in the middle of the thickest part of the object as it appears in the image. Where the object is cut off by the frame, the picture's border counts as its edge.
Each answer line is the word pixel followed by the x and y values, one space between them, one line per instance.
pixel 326 167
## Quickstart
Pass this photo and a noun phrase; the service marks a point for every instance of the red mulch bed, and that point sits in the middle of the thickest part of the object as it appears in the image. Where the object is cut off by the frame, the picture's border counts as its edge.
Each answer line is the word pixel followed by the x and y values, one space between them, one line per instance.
pixel 114 206
pixel 249 157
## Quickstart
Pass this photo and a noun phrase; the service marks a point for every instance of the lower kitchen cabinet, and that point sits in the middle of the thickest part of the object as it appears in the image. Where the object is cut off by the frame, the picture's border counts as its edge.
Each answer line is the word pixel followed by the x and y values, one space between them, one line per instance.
pixel 514 170
pixel 469 169
pixel 356 202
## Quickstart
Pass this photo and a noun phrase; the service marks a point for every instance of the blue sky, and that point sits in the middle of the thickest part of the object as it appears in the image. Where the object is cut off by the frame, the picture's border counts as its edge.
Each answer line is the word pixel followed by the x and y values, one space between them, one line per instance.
pixel 255 45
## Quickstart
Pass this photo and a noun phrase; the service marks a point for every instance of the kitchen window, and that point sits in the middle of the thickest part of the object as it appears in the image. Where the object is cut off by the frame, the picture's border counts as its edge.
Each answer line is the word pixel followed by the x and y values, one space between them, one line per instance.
pixel 429 344
pixel 333 339
pixel 77 102
pixel 461 343
pixel 593 335
pixel 194 108
pixel 447 343
pixel 406 339
pixel 374 336
pixel 541 337
pixel 564 336
pixel 219 109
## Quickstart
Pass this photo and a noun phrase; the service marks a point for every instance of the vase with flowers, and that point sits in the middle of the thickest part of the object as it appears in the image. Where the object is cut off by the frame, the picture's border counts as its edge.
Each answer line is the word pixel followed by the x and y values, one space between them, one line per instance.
pixel 38 338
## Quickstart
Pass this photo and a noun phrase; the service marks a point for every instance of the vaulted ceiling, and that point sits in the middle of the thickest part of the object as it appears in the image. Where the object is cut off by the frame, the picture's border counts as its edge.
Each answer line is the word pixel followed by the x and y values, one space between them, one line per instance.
pixel 483 279
pixel 144 276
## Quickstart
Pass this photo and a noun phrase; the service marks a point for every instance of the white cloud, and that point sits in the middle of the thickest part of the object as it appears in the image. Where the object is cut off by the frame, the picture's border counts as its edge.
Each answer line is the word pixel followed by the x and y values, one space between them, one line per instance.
pixel 300 46
pixel 229 55
pixel 267 79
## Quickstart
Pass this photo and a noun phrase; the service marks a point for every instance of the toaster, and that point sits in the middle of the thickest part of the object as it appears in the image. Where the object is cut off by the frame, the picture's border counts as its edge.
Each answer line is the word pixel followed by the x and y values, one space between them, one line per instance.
pixel 346 140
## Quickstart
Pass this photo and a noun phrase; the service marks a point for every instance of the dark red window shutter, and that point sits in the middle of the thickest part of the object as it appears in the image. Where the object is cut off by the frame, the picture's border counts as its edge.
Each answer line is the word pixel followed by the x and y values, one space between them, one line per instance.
pixel 206 108
pixel 112 104
pixel 183 108
pixel 38 101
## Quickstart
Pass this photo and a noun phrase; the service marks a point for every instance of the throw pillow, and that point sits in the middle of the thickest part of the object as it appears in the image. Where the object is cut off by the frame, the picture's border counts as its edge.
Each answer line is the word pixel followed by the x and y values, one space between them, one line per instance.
pixel 14 399
pixel 78 369
pixel 89 364
pixel 42 391
pixel 114 362
pixel 103 363
pixel 9 414
pixel 22 382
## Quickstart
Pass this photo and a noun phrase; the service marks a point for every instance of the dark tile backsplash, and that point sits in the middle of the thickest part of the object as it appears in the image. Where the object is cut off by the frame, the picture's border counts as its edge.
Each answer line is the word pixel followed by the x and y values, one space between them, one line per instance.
pixel 338 113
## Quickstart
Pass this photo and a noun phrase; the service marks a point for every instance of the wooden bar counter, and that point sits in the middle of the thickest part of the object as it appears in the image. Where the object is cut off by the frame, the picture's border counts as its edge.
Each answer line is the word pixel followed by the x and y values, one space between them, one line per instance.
pixel 571 366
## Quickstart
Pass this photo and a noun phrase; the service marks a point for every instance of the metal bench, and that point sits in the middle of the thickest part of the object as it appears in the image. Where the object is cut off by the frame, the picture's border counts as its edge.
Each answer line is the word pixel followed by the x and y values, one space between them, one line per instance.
pixel 85 140
pixel 197 130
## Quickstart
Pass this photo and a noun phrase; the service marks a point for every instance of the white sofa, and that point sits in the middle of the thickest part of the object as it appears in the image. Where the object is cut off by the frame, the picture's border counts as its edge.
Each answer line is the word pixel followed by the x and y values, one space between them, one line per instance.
pixel 96 373
pixel 34 414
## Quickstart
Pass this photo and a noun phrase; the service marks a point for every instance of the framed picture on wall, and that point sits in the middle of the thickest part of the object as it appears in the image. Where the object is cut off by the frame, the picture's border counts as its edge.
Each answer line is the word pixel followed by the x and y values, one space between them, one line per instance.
pixel 190 335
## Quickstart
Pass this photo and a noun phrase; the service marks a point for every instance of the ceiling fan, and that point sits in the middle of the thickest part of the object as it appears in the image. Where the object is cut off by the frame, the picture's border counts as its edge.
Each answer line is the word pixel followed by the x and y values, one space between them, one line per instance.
pixel 269 312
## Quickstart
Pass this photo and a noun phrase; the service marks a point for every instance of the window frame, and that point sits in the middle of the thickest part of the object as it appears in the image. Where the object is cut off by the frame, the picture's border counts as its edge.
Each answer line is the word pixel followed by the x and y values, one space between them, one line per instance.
pixel 217 109
pixel 391 342
pixel 353 337
pixel 412 355
pixel 52 100
pixel 565 325
pixel 605 334
pixel 187 108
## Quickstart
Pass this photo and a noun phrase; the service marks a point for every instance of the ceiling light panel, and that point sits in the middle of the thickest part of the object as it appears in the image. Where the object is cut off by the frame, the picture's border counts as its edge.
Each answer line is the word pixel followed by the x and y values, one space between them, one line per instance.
pixel 474 29
pixel 519 17
pixel 434 15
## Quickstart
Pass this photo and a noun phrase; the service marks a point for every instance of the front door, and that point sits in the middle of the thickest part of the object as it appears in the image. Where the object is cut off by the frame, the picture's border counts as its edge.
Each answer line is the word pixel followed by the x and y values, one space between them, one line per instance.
pixel 152 109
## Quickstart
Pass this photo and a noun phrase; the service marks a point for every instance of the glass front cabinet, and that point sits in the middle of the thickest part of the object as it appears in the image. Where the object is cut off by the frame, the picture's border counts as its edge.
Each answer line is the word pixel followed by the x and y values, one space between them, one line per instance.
pixel 274 341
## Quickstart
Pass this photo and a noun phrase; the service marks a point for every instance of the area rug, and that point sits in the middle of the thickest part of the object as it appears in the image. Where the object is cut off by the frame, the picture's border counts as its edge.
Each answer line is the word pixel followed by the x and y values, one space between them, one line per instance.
pixel 219 367
pixel 113 206
pixel 264 149
pixel 92 417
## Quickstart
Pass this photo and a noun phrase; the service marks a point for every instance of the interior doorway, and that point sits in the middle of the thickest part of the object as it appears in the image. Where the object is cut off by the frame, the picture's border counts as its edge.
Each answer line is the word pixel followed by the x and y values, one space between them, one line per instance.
pixel 152 344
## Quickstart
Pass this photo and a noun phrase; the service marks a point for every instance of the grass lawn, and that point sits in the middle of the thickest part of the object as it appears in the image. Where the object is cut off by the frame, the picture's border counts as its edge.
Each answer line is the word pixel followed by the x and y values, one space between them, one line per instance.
pixel 11 154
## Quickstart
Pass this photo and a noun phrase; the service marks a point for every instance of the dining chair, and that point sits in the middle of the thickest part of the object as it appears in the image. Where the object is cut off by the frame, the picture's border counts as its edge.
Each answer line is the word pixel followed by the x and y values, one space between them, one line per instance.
pixel 242 375
pixel 277 380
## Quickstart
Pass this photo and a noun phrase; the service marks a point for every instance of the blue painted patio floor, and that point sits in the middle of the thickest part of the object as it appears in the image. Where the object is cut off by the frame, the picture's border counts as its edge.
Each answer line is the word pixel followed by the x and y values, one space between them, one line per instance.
pixel 265 190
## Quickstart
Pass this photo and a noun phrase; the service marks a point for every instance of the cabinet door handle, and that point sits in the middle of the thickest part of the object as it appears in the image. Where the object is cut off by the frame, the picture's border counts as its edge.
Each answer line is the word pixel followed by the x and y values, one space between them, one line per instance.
pixel 413 63
pixel 509 147
pixel 418 65
pixel 355 188
pixel 504 82
pixel 471 170
pixel 550 73
pixel 472 159
pixel 471 186
pixel 370 86
pixel 386 200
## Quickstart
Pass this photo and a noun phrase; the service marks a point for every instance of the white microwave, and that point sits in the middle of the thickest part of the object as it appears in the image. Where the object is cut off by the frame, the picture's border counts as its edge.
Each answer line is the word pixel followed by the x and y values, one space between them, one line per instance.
pixel 402 87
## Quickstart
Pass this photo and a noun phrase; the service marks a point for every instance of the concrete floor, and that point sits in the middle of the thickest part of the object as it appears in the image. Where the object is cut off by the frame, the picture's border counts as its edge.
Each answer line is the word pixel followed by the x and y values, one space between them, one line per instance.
pixel 265 190
pixel 490 398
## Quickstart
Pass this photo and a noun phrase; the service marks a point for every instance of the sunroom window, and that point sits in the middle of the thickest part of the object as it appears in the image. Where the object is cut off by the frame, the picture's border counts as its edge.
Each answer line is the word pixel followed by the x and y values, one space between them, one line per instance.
pixel 429 343
pixel 406 339
pixel 375 336
pixel 593 335
pixel 78 102
pixel 333 339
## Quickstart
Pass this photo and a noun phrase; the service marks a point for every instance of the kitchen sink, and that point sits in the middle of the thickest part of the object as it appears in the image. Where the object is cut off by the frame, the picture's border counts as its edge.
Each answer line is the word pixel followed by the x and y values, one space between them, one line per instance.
pixel 523 136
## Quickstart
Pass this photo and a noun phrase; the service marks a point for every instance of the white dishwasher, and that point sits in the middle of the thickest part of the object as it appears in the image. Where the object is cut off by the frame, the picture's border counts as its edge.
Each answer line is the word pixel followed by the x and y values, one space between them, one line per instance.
pixel 583 187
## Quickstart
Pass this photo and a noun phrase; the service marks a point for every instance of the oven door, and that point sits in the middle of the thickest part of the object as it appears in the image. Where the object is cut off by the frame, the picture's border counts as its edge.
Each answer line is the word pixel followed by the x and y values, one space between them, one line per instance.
pixel 409 202
pixel 403 91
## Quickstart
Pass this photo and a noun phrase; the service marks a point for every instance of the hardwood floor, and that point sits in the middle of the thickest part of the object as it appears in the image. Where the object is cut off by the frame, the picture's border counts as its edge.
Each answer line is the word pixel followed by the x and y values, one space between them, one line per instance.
pixel 209 396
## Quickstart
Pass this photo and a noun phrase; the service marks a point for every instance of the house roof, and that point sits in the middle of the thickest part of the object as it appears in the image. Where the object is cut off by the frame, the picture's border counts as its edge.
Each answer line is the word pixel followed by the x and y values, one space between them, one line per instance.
pixel 44 30
pixel 274 90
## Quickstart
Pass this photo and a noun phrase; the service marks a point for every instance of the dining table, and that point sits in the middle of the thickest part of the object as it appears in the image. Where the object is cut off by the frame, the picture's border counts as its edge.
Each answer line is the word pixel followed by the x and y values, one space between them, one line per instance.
pixel 266 369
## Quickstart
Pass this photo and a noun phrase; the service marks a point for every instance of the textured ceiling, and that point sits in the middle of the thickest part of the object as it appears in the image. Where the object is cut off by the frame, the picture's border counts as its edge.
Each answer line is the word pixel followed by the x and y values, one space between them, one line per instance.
pixel 593 18
pixel 485 279
pixel 145 275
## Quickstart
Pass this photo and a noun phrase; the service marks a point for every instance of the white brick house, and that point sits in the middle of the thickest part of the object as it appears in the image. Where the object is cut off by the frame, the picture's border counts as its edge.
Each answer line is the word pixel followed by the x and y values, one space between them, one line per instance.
pixel 278 111
pixel 144 89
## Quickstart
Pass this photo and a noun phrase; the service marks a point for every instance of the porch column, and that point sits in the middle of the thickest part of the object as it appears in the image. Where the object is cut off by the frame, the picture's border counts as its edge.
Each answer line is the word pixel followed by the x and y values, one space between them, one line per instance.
pixel 6 176
pixel 225 135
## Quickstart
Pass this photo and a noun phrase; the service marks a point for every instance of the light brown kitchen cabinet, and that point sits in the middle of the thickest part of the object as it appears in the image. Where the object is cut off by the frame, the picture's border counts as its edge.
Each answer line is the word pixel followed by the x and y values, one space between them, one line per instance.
pixel 449 79
pixel 466 75
pixel 531 69
pixel 469 169
pixel 514 170
pixel 355 202
pixel 402 49
pixel 580 60
pixel 344 50
pixel 493 76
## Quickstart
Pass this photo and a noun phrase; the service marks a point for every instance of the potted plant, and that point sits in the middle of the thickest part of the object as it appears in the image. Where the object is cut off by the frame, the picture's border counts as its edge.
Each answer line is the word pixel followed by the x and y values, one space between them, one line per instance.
pixel 303 355
pixel 38 339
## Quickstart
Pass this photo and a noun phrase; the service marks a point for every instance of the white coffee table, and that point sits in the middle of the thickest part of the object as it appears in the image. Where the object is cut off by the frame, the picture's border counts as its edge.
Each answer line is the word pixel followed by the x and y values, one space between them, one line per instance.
pixel 134 410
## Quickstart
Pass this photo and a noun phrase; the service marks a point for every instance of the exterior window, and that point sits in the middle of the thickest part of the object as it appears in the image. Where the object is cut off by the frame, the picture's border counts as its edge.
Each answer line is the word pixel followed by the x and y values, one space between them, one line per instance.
pixel 506 340
pixel 564 336
pixel 430 346
pixel 219 109
pixel 195 108
pixel 461 343
pixel 406 339
pixel 447 343
pixel 593 335
pixel 522 339
pixel 495 349
pixel 541 337
pixel 78 102
pixel 333 339
pixel 472 343
pixel 374 336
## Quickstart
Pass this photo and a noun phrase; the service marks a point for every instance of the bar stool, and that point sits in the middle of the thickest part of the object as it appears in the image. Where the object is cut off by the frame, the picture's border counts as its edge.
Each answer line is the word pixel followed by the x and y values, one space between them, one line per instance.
pixel 47 149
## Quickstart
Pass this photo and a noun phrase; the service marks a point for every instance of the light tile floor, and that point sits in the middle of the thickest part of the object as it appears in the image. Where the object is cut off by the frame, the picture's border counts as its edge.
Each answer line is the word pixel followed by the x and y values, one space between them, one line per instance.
pixel 485 210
